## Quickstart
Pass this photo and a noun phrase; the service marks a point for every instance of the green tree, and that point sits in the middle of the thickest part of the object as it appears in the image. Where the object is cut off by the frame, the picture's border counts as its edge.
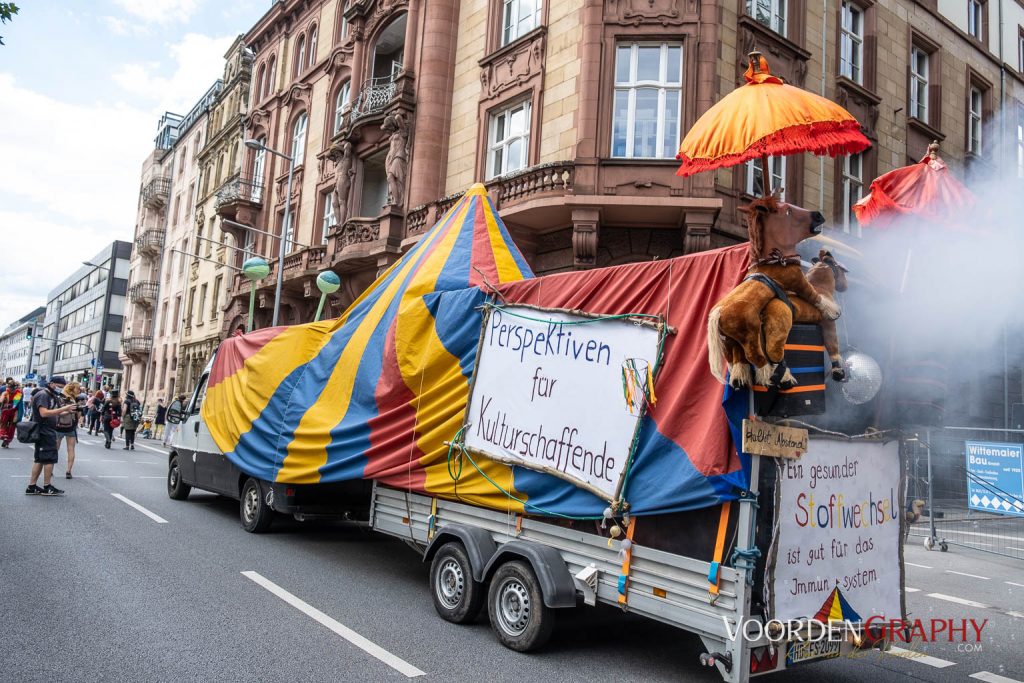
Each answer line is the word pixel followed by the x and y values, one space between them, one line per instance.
pixel 7 12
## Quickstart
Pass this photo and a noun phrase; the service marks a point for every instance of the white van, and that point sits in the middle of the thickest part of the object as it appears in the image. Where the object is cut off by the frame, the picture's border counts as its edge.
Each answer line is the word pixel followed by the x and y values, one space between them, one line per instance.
pixel 196 462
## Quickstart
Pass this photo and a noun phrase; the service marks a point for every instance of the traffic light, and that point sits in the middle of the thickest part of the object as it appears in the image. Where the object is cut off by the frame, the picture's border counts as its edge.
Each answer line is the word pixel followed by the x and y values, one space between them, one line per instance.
pixel 28 334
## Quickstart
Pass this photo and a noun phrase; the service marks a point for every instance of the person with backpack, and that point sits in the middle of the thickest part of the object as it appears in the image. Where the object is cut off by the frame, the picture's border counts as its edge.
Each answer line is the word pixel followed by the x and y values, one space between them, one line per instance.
pixel 46 408
pixel 132 419
pixel 95 408
pixel 110 416
pixel 67 423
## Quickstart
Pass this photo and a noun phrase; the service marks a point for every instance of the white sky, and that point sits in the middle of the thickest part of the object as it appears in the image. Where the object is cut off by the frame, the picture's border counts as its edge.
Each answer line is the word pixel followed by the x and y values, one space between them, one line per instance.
pixel 82 87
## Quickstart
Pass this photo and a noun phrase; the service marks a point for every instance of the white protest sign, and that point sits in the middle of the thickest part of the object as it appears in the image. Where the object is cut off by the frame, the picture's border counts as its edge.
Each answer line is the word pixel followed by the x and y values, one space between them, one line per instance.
pixel 548 393
pixel 839 528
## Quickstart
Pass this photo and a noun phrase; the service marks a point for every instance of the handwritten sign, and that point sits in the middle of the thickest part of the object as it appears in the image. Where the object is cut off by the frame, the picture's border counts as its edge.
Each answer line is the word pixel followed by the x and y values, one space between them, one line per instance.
pixel 548 393
pixel 764 438
pixel 838 546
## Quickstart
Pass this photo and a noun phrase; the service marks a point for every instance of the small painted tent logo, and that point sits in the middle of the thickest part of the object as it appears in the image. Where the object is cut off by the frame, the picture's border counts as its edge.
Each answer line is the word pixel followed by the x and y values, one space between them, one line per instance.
pixel 836 608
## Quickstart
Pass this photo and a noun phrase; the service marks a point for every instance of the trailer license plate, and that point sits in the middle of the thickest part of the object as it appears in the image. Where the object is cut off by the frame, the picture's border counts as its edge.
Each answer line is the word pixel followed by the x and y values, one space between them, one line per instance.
pixel 808 651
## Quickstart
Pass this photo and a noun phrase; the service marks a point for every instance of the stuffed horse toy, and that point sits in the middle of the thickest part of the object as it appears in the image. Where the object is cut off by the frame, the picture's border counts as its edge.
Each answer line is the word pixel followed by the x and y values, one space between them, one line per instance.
pixel 827 276
pixel 735 323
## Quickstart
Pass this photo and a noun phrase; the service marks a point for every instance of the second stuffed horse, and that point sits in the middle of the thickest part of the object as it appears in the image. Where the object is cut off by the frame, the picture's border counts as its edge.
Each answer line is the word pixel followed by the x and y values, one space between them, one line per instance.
pixel 735 332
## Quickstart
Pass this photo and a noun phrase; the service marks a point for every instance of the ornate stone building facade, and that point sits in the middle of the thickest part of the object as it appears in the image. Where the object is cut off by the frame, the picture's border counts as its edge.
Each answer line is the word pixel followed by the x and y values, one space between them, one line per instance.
pixel 571 113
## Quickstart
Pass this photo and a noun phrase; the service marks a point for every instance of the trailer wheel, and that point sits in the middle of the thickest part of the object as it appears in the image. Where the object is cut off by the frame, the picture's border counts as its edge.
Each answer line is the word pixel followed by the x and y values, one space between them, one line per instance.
pixel 176 488
pixel 255 513
pixel 457 597
pixel 519 617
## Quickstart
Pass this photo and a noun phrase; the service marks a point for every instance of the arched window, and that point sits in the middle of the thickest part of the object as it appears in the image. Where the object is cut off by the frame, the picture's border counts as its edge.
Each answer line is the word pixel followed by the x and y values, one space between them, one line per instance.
pixel 299 139
pixel 258 164
pixel 312 46
pixel 343 24
pixel 341 105
pixel 271 76
pixel 261 76
pixel 300 55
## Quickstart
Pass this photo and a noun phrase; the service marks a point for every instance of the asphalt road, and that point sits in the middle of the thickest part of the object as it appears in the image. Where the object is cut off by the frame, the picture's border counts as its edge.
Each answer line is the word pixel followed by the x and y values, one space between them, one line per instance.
pixel 93 588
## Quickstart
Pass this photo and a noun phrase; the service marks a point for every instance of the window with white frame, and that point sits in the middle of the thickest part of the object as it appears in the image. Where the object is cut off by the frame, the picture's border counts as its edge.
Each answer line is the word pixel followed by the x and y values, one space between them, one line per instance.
pixel 249 245
pixel 343 27
pixel 328 216
pixel 1020 51
pixel 1020 142
pixel 975 19
pixel 300 55
pixel 508 140
pixel 258 163
pixel 755 178
pixel 974 119
pixel 299 139
pixel 771 13
pixel 851 48
pixel 648 99
pixel 341 105
pixel 312 46
pixel 853 190
pixel 919 84
pixel 518 17
pixel 289 231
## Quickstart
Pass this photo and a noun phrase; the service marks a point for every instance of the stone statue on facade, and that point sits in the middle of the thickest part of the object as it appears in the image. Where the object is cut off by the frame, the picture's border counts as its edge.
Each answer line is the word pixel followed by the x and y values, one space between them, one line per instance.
pixel 344 171
pixel 397 160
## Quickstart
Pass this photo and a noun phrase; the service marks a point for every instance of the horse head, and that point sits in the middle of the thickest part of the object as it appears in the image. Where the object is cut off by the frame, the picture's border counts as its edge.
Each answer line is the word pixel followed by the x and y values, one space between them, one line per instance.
pixel 839 271
pixel 775 225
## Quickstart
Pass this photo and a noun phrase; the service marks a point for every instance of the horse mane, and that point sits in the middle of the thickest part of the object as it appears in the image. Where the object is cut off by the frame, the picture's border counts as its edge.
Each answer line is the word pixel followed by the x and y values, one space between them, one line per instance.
pixel 755 227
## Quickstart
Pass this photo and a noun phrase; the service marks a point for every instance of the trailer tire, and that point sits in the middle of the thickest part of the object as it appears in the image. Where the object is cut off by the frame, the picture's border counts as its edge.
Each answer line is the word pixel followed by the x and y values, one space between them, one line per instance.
pixel 515 603
pixel 457 597
pixel 176 488
pixel 254 512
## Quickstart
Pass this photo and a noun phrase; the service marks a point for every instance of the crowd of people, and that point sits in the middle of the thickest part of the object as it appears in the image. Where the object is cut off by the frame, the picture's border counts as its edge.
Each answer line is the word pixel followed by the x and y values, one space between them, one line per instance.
pixel 60 408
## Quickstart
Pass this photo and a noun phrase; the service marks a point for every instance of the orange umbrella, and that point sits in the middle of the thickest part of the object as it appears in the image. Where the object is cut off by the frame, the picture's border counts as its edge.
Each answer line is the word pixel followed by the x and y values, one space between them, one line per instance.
pixel 766 118
pixel 926 189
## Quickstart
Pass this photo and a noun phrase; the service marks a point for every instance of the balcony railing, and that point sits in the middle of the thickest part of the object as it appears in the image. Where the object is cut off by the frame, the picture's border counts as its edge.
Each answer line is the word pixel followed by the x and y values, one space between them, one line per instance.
pixel 136 345
pixel 375 94
pixel 306 260
pixel 143 293
pixel 156 192
pixel 150 242
pixel 242 187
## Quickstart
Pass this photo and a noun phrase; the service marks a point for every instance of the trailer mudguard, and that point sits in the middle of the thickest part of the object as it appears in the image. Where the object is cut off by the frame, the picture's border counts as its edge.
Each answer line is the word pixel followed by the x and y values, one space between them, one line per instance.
pixel 478 543
pixel 555 580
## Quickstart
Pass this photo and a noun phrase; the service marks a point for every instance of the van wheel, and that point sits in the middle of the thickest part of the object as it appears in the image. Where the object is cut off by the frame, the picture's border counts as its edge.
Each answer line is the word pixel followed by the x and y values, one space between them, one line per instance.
pixel 176 488
pixel 519 617
pixel 255 513
pixel 457 597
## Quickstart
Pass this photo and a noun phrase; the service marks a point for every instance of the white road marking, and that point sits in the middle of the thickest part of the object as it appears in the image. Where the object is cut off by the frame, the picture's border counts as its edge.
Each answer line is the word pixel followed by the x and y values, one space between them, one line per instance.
pixel 993 678
pixel 153 448
pixel 911 590
pixel 1018 585
pixel 924 659
pixel 919 566
pixel 1016 615
pixel 959 601
pixel 345 632
pixel 973 576
pixel 10 458
pixel 152 515
pixel 111 476
pixel 147 477
pixel 120 461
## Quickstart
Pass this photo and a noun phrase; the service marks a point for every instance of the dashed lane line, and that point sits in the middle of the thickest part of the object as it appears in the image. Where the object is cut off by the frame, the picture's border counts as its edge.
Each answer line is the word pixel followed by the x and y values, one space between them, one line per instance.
pixel 919 566
pixel 153 448
pixel 1011 583
pixel 111 476
pixel 345 632
pixel 922 658
pixel 147 477
pixel 993 678
pixel 959 601
pixel 152 515
pixel 973 576
pixel 1015 615
pixel 911 590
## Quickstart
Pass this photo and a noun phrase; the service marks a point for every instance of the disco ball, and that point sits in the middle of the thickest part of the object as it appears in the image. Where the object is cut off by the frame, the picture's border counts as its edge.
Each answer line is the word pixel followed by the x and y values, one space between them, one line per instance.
pixel 864 378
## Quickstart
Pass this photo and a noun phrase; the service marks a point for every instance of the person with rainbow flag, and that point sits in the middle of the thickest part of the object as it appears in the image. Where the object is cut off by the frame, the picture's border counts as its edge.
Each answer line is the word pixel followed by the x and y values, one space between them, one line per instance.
pixel 10 410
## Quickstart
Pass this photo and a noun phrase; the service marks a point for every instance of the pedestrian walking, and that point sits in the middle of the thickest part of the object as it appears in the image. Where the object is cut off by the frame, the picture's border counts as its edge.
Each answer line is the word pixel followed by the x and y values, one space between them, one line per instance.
pixel 161 418
pixel 110 416
pixel 10 407
pixel 178 405
pixel 95 410
pixel 132 419
pixel 83 408
pixel 46 408
pixel 67 424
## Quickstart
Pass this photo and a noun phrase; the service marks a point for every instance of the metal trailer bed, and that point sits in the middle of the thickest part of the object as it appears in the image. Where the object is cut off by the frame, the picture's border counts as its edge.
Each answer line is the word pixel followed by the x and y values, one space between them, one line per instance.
pixel 667 587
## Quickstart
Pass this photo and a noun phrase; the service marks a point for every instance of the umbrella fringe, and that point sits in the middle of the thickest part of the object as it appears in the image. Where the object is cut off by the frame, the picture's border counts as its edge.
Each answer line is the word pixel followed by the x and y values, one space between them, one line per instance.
pixel 831 138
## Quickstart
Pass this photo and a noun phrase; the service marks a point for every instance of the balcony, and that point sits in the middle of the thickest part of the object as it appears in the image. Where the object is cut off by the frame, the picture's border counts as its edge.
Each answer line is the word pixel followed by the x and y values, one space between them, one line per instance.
pixel 139 345
pixel 306 261
pixel 150 242
pixel 374 96
pixel 143 293
pixel 156 192
pixel 240 191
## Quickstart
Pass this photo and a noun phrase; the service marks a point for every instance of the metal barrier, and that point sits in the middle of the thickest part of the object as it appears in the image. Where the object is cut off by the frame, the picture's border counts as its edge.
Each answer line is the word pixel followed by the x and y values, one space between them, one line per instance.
pixel 967 489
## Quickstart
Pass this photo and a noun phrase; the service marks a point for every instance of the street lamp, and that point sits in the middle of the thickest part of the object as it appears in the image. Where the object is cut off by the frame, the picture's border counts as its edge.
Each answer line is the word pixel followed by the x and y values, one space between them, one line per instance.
pixel 257 145
pixel 90 263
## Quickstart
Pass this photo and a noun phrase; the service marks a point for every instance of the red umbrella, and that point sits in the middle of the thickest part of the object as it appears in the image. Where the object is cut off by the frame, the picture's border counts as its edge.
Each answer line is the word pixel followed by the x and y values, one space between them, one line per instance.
pixel 926 189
